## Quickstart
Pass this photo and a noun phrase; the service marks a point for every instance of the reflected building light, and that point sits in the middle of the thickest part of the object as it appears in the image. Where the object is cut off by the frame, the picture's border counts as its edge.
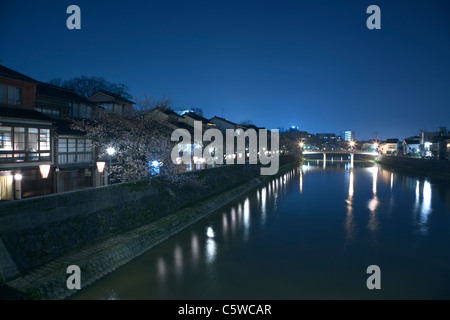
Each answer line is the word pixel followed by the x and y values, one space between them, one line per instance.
pixel 301 181
pixel 263 205
pixel 178 254
pixel 233 220
pixel 195 248
pixel 373 221
pixel 426 202
pixel 417 191
pixel 246 218
pixel 350 185
pixel 257 195
pixel 375 178
pixel 161 267
pixel 224 224
pixel 211 250
pixel 350 228
pixel 417 202
pixel 423 206
pixel 239 212
pixel 392 180
pixel 269 191
pixel 210 232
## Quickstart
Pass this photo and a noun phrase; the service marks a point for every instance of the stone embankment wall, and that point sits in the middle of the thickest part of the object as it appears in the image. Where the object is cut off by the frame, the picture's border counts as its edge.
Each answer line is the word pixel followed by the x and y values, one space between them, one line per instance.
pixel 40 236
pixel 434 168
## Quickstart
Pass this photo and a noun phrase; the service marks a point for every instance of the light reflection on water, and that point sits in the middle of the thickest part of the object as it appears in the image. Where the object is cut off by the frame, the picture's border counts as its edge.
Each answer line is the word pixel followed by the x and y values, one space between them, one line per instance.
pixel 310 231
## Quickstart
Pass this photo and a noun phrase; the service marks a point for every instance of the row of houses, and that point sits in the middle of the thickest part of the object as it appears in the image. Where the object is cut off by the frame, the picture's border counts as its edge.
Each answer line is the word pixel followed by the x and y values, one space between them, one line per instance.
pixel 427 145
pixel 41 154
pixel 36 136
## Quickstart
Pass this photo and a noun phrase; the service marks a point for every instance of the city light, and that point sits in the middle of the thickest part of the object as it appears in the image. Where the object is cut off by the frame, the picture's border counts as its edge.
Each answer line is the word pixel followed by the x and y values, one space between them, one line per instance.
pixel 18 177
pixel 110 151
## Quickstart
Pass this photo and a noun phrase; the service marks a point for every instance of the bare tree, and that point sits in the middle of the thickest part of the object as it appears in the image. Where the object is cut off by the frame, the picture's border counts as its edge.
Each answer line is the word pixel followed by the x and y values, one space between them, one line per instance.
pixel 87 86
pixel 146 103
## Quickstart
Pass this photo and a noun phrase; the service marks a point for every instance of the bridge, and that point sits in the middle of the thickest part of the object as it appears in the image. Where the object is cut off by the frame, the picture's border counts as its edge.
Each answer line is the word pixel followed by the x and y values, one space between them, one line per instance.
pixel 342 152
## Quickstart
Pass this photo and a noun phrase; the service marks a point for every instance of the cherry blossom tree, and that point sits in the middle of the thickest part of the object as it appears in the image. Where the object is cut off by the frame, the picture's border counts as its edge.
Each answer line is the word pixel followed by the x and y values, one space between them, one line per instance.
pixel 142 144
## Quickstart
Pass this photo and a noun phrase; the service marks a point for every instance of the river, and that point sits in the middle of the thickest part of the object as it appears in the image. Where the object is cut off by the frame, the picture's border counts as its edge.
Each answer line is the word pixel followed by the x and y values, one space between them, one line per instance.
pixel 308 234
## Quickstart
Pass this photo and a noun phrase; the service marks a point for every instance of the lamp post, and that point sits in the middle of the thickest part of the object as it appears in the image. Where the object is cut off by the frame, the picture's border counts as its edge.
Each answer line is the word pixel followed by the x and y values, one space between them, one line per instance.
pixel 352 144
pixel 18 186
pixel 45 170
pixel 110 151
pixel 100 167
pixel 375 146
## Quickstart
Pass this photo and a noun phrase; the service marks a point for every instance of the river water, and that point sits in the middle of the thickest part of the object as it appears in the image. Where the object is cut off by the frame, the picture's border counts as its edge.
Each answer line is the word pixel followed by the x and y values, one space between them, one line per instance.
pixel 308 234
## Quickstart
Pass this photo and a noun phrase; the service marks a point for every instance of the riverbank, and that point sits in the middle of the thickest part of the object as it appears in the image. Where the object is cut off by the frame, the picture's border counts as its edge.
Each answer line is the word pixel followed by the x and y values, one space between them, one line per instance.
pixel 438 169
pixel 95 260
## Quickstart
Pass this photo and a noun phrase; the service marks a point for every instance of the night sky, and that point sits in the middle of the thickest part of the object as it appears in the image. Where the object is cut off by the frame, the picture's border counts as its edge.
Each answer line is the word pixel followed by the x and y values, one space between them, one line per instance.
pixel 313 64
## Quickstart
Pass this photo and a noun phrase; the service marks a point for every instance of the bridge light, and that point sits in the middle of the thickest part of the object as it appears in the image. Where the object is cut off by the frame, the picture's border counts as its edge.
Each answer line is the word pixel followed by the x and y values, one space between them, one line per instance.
pixel 352 143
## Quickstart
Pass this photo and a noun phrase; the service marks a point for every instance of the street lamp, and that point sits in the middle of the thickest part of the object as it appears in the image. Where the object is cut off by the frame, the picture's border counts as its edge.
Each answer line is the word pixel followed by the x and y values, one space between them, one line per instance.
pixel 352 144
pixel 375 146
pixel 100 168
pixel 45 170
pixel 110 151
pixel 301 144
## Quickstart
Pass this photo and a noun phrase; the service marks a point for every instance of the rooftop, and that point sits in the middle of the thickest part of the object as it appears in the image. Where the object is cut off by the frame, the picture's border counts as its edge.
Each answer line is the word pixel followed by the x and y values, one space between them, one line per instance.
pixel 9 73
pixel 116 96
pixel 21 113
pixel 49 90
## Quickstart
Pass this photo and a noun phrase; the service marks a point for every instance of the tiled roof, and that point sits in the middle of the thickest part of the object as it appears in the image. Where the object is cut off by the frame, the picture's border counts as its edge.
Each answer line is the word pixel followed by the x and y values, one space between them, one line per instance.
pixel 223 119
pixel 196 117
pixel 21 113
pixel 391 140
pixel 63 128
pixel 49 90
pixel 115 96
pixel 9 73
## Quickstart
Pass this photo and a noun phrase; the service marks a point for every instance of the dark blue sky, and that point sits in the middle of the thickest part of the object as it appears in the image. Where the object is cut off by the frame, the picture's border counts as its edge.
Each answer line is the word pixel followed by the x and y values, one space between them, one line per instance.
pixel 313 64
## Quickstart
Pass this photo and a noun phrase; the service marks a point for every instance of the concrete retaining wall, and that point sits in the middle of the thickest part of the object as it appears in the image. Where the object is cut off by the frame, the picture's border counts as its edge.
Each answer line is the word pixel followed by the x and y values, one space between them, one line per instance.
pixel 40 235
pixel 434 168
pixel 36 231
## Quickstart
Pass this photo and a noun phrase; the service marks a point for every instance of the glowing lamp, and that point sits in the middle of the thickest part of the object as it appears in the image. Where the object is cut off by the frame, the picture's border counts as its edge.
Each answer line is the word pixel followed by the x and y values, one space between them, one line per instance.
pixel 100 166
pixel 45 169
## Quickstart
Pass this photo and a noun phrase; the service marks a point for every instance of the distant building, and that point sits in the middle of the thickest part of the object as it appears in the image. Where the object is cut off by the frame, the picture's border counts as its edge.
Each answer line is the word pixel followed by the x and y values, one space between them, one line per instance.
pixel 197 111
pixel 326 136
pixel 411 146
pixel 348 135
pixel 370 145
pixel 389 147
pixel 112 102
pixel 62 103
